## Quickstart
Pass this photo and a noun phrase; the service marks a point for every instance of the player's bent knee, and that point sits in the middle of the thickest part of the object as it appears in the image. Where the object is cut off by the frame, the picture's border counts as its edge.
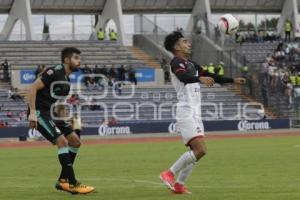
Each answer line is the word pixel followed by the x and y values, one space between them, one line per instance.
pixel 75 143
pixel 61 142
pixel 199 153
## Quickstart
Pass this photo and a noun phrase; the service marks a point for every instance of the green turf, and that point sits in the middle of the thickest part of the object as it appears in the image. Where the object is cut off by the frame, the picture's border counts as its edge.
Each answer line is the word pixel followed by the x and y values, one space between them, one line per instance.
pixel 234 169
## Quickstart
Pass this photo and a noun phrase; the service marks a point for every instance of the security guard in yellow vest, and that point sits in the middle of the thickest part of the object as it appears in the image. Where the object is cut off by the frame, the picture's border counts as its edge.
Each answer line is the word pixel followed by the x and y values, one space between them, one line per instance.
pixel 288 26
pixel 244 71
pixel 293 79
pixel 220 69
pixel 113 35
pixel 100 34
pixel 298 79
pixel 211 68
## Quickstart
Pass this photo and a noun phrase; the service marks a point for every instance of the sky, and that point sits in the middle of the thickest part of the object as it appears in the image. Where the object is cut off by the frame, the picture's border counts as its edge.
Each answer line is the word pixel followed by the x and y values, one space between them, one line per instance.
pixel 62 24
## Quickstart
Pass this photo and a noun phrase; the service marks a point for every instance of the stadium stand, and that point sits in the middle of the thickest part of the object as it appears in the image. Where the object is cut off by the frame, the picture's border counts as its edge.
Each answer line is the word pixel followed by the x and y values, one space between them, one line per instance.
pixel 32 53
pixel 144 99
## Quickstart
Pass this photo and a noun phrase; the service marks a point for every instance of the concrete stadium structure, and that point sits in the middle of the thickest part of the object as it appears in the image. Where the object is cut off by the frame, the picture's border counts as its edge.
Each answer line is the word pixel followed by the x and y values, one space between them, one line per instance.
pixel 114 9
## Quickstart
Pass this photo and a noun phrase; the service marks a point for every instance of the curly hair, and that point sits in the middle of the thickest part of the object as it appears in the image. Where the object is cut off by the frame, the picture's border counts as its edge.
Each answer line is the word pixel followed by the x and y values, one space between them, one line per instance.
pixel 171 40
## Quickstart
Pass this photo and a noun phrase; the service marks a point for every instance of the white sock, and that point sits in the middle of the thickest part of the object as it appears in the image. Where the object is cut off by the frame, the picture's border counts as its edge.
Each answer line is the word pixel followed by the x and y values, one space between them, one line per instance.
pixel 184 173
pixel 184 160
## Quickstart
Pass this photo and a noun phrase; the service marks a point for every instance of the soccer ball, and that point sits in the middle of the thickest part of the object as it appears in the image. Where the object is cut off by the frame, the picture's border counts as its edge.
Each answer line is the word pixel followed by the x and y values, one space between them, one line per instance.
pixel 228 24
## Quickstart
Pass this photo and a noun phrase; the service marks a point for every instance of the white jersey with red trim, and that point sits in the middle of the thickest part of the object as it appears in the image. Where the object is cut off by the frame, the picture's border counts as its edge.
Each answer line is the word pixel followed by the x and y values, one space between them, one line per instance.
pixel 186 93
pixel 188 111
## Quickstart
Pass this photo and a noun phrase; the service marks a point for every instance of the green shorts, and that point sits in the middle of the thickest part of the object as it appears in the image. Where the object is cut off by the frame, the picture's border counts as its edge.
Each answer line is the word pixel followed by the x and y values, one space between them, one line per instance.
pixel 52 129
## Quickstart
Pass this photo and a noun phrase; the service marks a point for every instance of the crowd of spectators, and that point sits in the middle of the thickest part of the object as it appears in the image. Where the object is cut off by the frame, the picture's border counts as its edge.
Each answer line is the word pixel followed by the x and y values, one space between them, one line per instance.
pixel 280 72
pixel 256 37
pixel 100 77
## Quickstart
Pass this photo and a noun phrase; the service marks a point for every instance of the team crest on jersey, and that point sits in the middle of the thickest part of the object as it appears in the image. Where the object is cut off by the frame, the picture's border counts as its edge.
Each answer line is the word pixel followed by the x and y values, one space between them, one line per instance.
pixel 181 65
pixel 50 72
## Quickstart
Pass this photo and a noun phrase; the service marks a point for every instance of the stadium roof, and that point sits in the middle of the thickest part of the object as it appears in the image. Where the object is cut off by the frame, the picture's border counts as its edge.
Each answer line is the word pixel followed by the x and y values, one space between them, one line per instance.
pixel 146 6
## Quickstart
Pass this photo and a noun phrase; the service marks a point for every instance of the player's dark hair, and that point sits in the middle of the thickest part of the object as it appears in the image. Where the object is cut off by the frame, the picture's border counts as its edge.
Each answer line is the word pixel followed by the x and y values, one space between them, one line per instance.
pixel 68 52
pixel 171 40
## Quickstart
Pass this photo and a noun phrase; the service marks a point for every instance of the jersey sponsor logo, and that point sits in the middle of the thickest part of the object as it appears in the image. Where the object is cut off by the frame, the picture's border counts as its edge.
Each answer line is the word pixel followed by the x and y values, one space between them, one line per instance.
pixel 245 125
pixel 117 130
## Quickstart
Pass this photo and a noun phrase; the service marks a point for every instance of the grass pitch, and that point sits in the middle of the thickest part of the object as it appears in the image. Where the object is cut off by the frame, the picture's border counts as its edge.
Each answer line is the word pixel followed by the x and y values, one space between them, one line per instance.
pixel 233 169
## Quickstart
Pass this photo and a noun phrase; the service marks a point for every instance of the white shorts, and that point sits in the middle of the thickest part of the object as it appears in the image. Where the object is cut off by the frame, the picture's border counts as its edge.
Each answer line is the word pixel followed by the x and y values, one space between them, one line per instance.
pixel 189 126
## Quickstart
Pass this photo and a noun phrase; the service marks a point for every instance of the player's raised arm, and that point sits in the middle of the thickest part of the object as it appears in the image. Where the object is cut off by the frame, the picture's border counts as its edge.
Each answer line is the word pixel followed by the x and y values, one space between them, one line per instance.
pixel 220 79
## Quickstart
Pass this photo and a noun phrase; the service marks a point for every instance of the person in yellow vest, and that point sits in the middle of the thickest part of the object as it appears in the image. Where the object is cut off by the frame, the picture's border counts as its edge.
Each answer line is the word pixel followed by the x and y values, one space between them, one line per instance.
pixel 220 69
pixel 293 79
pixel 211 68
pixel 288 26
pixel 244 71
pixel 100 34
pixel 298 79
pixel 112 35
pixel 76 124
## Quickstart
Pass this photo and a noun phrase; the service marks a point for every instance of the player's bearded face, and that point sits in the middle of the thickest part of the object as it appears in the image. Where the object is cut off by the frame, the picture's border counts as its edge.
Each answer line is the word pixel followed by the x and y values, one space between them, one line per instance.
pixel 75 62
pixel 184 46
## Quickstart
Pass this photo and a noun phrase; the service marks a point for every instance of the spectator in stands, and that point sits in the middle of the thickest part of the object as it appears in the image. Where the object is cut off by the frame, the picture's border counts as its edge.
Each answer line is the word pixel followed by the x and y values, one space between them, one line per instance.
pixel 122 73
pixel 279 54
pixel 289 93
pixel 274 81
pixel 87 79
pixel 288 26
pixel 22 116
pixel 2 125
pixel 118 86
pixel 9 93
pixel 112 122
pixel 104 71
pixel 112 75
pixel 86 69
pixel 96 71
pixel 112 35
pixel 101 83
pixel 90 84
pixel 39 70
pixel 166 69
pixel 211 68
pixel 9 114
pixel 264 88
pixel 101 34
pixel 220 69
pixel 13 94
pixel 74 101
pixel 94 106
pixel 5 66
pixel 131 75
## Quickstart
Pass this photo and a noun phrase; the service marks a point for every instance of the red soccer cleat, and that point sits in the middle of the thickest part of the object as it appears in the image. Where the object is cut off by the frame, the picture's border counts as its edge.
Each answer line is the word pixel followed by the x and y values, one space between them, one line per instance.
pixel 180 189
pixel 167 177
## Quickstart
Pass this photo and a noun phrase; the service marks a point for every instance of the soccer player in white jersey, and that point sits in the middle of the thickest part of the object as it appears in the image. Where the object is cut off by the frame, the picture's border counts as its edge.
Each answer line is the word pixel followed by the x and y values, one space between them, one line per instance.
pixel 186 79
